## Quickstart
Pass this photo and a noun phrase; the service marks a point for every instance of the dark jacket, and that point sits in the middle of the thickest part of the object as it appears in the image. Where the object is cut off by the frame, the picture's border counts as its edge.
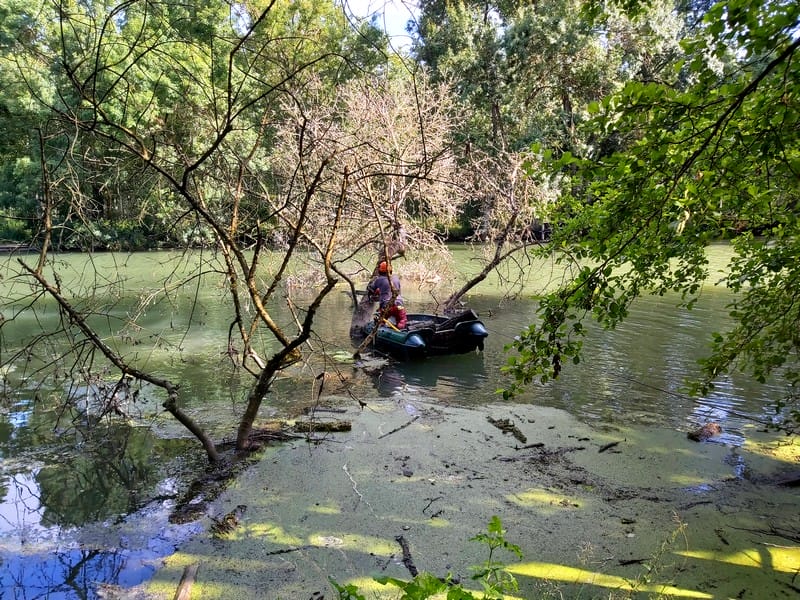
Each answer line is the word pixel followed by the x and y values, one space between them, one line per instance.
pixel 380 290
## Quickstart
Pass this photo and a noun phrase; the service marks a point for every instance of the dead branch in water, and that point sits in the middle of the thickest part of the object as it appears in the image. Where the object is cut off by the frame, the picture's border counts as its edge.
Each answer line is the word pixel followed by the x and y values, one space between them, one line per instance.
pixel 396 429
pixel 322 426
pixel 184 590
pixel 608 446
pixel 407 560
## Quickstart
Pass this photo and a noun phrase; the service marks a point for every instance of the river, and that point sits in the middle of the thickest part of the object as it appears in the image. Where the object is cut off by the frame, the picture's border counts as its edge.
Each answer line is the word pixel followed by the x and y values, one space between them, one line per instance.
pixel 85 502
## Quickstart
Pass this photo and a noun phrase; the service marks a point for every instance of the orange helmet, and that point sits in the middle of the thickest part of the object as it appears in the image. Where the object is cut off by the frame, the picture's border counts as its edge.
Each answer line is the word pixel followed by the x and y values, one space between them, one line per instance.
pixel 383 267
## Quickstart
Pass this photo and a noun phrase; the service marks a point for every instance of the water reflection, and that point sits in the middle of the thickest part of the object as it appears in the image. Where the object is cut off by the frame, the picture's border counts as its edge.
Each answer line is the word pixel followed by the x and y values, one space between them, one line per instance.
pixel 20 515
pixel 634 375
pixel 68 503
pixel 451 378
pixel 85 565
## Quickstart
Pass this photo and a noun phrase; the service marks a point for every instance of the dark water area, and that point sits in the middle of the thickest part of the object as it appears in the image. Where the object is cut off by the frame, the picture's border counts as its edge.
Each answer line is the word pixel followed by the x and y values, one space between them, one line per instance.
pixel 85 500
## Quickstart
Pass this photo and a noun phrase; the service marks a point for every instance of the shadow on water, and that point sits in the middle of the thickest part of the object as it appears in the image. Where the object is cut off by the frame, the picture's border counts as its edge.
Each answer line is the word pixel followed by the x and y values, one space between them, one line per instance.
pixel 451 378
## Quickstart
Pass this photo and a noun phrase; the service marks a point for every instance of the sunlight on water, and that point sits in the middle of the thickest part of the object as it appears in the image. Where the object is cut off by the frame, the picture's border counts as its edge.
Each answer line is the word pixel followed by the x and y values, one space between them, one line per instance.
pixel 785 560
pixel 587 578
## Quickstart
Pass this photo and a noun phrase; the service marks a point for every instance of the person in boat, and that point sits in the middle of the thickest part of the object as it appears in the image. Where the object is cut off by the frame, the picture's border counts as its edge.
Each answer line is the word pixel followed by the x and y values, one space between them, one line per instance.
pixel 384 286
pixel 396 314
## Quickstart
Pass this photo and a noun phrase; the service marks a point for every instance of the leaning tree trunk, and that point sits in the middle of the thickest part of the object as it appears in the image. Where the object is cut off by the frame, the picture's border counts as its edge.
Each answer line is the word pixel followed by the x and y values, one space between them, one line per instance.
pixel 77 319
pixel 499 256
pixel 364 310
pixel 363 314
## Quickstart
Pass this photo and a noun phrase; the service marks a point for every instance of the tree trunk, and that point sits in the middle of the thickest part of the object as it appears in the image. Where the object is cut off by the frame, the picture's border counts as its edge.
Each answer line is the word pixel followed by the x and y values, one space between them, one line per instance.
pixel 280 360
pixel 171 405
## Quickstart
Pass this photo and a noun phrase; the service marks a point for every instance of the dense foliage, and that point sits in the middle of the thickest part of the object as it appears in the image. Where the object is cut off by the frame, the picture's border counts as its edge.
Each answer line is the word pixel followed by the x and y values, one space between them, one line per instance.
pixel 709 153
pixel 149 78
pixel 529 70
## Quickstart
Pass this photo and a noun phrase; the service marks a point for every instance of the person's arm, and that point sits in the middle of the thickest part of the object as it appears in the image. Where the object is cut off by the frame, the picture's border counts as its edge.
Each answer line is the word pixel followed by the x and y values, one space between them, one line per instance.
pixel 396 284
pixel 372 290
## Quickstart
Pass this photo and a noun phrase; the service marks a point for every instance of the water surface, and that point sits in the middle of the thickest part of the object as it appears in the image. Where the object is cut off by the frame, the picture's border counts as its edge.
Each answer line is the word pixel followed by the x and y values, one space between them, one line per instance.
pixel 84 500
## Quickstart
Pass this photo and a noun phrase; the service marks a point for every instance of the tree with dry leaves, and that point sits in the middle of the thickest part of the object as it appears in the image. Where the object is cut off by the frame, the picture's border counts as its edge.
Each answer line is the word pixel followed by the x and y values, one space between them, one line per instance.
pixel 390 138
pixel 234 131
pixel 186 102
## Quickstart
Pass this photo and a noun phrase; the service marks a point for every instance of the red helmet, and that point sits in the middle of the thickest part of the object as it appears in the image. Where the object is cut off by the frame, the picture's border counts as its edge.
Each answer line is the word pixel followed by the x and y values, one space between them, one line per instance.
pixel 383 267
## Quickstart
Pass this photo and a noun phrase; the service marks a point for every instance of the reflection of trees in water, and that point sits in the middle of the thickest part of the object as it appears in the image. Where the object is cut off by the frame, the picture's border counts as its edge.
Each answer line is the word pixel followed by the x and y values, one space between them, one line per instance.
pixel 109 470
pixel 109 473
pixel 19 429
pixel 71 574
pixel 95 472
pixel 63 469
pixel 5 435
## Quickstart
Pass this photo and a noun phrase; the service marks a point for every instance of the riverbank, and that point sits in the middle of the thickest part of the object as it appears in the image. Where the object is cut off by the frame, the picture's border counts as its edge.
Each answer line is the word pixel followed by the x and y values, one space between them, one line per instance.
pixel 593 509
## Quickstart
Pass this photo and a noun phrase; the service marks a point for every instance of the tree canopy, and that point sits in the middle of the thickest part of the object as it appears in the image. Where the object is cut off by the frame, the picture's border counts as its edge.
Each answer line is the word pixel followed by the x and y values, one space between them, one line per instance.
pixel 708 153
pixel 529 70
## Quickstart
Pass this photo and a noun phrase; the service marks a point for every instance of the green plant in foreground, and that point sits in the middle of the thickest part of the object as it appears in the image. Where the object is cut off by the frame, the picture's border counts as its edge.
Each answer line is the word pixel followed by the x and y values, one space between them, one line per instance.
pixel 347 592
pixel 491 574
pixel 656 567
pixel 497 581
